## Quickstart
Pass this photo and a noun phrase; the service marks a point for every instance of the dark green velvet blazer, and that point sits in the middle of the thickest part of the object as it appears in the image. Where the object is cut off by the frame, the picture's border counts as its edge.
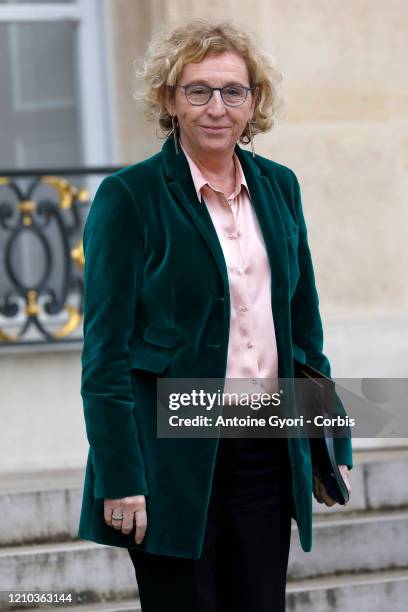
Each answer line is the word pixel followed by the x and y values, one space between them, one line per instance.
pixel 157 304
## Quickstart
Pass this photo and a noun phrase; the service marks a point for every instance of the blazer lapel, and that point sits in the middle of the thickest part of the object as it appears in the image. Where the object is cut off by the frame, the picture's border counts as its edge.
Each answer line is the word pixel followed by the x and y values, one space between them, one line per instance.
pixel 266 204
pixel 182 185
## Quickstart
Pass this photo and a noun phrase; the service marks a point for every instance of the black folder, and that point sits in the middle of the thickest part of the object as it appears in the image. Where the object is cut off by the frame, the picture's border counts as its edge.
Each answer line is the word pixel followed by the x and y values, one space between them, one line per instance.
pixel 322 448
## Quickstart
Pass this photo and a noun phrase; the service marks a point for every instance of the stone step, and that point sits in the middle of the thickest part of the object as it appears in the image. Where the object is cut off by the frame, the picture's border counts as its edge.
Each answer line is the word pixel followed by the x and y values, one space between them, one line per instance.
pixel 129 605
pixel 133 605
pixel 89 572
pixel 341 544
pixel 40 506
pixel 365 592
pixel 369 541
pixel 45 506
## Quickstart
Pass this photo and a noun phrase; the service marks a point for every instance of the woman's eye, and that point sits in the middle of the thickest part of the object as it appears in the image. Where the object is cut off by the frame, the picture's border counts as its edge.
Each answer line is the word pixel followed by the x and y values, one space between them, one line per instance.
pixel 233 91
pixel 197 90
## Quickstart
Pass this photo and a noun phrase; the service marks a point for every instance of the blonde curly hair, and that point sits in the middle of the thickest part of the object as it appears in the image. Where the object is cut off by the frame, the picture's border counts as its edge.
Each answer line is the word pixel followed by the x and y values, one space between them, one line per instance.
pixel 174 47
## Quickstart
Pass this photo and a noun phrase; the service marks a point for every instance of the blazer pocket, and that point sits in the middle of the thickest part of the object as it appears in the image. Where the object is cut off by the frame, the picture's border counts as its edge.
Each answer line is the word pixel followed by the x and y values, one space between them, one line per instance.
pixel 153 355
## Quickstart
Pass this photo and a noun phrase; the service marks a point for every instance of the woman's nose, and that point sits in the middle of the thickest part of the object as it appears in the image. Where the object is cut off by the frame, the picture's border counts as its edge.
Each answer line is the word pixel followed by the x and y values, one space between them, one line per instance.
pixel 216 105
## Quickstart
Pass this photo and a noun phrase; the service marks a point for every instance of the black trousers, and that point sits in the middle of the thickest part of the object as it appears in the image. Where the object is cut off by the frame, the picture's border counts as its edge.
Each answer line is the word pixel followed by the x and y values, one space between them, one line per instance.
pixel 244 561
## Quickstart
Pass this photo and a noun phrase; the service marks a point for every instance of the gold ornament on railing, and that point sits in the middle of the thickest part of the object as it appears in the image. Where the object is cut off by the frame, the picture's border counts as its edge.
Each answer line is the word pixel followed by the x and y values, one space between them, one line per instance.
pixel 43 302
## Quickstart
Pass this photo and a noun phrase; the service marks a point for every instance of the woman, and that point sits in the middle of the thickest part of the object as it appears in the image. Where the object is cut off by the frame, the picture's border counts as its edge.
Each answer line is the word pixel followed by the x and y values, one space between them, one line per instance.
pixel 197 266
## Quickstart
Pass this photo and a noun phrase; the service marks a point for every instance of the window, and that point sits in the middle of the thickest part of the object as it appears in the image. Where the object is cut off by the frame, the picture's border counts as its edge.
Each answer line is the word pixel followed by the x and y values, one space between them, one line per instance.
pixel 54 84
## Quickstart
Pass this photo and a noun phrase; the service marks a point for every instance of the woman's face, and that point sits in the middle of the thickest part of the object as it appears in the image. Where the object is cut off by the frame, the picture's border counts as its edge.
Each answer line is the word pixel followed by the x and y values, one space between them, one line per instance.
pixel 214 127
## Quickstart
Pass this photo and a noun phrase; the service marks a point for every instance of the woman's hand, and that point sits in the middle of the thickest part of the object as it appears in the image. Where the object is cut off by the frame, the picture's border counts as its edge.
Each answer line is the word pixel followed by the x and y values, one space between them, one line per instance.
pixel 124 513
pixel 319 489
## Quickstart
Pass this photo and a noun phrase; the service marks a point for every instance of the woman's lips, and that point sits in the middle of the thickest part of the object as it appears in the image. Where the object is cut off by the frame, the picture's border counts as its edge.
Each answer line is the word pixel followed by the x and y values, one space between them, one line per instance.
pixel 214 130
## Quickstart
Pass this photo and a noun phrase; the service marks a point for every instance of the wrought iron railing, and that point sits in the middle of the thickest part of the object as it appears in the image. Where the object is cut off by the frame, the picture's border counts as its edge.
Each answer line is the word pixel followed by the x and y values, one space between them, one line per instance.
pixel 42 213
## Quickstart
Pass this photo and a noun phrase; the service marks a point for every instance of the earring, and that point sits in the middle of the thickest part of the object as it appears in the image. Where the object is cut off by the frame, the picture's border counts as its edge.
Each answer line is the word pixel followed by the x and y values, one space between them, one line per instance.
pixel 174 124
pixel 251 138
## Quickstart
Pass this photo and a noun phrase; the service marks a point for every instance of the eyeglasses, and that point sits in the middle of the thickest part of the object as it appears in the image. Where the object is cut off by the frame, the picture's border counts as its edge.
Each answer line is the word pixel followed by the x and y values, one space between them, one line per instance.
pixel 232 95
